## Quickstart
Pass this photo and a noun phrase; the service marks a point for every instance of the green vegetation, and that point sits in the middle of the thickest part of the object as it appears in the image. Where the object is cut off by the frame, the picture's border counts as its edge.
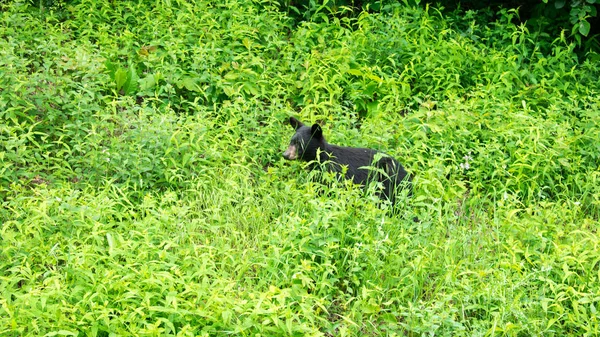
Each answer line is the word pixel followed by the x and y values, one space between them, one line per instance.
pixel 577 17
pixel 144 193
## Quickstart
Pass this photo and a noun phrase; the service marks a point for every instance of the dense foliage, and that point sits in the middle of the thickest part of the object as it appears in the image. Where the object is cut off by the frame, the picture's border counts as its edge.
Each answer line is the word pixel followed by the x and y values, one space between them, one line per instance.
pixel 144 193
pixel 577 18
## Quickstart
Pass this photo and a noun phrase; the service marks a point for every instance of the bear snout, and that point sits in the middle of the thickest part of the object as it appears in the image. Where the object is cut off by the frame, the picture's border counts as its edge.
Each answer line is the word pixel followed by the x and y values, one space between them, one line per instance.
pixel 291 153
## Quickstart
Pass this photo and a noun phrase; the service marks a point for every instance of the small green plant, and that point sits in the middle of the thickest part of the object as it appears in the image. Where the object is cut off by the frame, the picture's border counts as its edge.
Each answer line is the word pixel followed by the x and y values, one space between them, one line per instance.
pixel 125 79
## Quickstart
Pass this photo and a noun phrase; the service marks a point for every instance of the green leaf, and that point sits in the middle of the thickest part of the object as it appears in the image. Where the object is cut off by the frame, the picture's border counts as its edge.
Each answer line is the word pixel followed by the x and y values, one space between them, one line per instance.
pixel 375 78
pixel 61 333
pixel 131 84
pixel 584 28
pixel 147 82
pixel 559 4
pixel 370 89
pixel 111 69
pixel 190 84
pixel 250 88
pixel 354 72
pixel 111 243
pixel 120 78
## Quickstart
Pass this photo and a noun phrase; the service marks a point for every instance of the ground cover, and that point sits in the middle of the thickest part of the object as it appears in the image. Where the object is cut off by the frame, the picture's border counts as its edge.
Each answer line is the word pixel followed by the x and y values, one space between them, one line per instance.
pixel 144 191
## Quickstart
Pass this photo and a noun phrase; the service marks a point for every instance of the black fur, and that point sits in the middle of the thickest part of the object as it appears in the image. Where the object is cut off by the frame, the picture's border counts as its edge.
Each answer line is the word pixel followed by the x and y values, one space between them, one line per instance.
pixel 308 144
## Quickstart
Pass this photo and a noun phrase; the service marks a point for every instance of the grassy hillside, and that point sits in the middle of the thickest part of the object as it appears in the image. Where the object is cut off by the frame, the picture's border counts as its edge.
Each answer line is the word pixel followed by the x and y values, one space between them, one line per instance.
pixel 144 193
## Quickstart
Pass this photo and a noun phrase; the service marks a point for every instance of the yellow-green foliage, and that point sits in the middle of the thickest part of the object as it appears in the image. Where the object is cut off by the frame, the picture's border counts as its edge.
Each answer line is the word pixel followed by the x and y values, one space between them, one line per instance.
pixel 144 193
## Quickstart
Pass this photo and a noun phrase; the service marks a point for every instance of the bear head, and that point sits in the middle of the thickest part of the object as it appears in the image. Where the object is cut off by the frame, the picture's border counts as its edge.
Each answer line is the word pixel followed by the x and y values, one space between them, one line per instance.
pixel 305 142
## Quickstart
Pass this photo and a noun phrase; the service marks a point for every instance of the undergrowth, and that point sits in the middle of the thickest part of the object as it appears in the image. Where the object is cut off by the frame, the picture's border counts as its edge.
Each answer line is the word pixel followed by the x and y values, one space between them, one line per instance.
pixel 144 191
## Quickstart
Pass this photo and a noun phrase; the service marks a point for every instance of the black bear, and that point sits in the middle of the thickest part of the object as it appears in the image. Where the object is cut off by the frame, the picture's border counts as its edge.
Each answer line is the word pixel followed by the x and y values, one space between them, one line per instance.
pixel 308 144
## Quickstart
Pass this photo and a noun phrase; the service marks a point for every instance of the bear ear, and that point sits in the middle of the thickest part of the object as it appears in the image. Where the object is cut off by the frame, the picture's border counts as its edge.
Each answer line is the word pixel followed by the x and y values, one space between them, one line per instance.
pixel 316 131
pixel 296 124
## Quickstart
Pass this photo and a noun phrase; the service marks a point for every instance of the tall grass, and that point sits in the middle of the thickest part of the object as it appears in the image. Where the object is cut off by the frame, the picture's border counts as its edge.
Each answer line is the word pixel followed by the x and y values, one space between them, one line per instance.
pixel 144 192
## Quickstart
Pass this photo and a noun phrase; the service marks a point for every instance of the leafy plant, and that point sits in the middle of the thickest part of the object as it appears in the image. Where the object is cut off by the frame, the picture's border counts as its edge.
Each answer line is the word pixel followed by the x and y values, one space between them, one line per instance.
pixel 125 79
pixel 579 14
